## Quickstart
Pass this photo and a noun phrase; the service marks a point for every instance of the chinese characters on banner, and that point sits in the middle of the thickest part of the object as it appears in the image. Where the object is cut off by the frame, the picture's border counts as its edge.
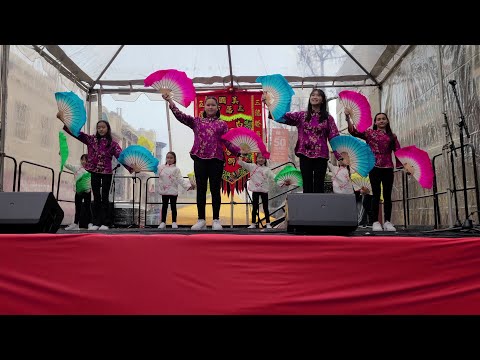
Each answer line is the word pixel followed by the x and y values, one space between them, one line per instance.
pixel 279 145
pixel 237 109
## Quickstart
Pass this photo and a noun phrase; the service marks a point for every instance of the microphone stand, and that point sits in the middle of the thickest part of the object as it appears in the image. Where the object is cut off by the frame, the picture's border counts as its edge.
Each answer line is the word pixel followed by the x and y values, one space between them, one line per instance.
pixel 468 223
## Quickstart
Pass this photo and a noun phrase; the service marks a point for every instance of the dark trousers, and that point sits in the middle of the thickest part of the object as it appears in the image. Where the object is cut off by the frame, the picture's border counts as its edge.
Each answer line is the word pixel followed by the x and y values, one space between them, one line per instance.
pixel 173 206
pixel 367 218
pixel 83 212
pixel 100 188
pixel 255 205
pixel 208 171
pixel 383 176
pixel 313 174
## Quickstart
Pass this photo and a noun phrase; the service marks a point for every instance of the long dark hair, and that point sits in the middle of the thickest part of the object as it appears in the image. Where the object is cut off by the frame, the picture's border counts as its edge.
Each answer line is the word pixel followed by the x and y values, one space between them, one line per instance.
pixel 174 157
pixel 204 114
pixel 388 130
pixel 323 106
pixel 108 135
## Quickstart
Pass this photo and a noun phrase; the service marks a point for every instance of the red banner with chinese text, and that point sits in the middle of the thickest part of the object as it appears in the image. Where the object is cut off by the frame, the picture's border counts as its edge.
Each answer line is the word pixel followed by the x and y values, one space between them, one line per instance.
pixel 237 109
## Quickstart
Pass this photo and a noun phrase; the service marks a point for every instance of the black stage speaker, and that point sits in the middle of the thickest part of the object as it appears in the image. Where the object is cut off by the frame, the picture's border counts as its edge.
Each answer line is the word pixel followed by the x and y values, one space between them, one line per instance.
pixel 29 212
pixel 315 213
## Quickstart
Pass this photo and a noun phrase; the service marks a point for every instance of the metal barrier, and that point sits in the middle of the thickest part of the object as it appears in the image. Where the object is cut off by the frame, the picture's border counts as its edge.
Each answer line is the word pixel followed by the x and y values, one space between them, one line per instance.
pixel 405 198
pixel 38 165
pixel 14 170
pixel 436 207
pixel 58 186
pixel 134 178
pixel 232 203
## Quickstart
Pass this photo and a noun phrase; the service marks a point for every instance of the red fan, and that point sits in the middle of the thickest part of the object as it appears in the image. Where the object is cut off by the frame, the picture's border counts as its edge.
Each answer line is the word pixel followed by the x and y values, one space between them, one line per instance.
pixel 417 162
pixel 247 140
pixel 174 83
pixel 359 109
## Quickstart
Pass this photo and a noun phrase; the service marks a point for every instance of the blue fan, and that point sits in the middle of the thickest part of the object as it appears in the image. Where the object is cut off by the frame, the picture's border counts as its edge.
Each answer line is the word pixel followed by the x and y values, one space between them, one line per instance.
pixel 355 153
pixel 72 111
pixel 138 158
pixel 278 94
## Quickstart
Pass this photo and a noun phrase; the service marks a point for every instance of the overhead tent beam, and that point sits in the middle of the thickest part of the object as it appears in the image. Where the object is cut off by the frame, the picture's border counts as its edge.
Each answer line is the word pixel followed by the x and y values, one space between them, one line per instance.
pixel 360 65
pixel 61 56
pixel 61 68
pixel 384 59
pixel 108 65
pixel 124 91
pixel 244 79
pixel 397 63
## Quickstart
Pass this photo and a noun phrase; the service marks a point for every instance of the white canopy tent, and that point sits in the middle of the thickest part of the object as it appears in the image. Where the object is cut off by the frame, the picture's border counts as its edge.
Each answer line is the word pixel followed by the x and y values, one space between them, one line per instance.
pixel 120 70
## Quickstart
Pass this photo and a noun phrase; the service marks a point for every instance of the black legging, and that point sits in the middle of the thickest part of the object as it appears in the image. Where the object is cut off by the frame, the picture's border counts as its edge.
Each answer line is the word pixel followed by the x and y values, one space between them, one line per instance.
pixel 382 176
pixel 255 205
pixel 103 181
pixel 83 212
pixel 313 174
pixel 211 170
pixel 173 206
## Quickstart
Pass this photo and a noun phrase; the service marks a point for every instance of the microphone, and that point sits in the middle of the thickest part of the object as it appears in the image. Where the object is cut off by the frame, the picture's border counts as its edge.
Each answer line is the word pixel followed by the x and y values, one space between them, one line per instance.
pixel 116 167
pixel 452 82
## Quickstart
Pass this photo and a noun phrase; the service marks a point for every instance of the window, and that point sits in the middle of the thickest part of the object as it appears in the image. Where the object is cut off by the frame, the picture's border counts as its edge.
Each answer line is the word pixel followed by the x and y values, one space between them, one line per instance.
pixel 22 115
pixel 45 131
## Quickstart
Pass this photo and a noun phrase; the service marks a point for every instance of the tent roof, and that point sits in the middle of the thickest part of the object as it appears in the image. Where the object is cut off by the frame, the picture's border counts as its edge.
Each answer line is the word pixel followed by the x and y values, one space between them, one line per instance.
pixel 122 68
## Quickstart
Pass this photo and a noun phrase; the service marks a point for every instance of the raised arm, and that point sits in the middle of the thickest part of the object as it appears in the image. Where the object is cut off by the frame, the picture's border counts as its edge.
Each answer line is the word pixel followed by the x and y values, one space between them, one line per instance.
pixel 115 150
pixel 351 128
pixel 248 166
pixel 180 116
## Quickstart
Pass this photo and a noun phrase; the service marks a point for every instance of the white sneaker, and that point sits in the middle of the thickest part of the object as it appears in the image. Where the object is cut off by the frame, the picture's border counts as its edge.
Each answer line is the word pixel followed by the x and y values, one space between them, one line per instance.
pixel 162 225
pixel 388 226
pixel 269 226
pixel 174 225
pixel 89 225
pixel 92 227
pixel 103 227
pixel 377 226
pixel 216 225
pixel 253 226
pixel 200 225
pixel 72 226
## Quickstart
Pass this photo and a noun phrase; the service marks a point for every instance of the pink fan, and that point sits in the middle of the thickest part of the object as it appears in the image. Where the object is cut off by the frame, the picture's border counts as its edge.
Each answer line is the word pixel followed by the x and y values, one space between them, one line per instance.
pixel 247 140
pixel 417 162
pixel 359 109
pixel 173 82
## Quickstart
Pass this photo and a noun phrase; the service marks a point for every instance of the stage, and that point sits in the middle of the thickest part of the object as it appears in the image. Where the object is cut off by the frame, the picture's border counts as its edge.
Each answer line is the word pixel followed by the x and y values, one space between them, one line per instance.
pixel 239 271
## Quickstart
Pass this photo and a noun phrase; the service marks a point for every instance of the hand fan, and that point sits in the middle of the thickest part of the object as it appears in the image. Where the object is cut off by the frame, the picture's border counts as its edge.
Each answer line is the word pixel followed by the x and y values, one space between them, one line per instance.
pixel 139 159
pixel 278 94
pixel 72 111
pixel 63 149
pixel 289 176
pixel 359 108
pixel 356 153
pixel 247 140
pixel 417 162
pixel 83 183
pixel 173 82
pixel 359 181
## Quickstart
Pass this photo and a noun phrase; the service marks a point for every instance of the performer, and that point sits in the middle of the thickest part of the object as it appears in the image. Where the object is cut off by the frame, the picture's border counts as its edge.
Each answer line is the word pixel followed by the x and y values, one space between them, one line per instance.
pixel 170 178
pixel 101 149
pixel 314 126
pixel 383 142
pixel 207 155
pixel 260 178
